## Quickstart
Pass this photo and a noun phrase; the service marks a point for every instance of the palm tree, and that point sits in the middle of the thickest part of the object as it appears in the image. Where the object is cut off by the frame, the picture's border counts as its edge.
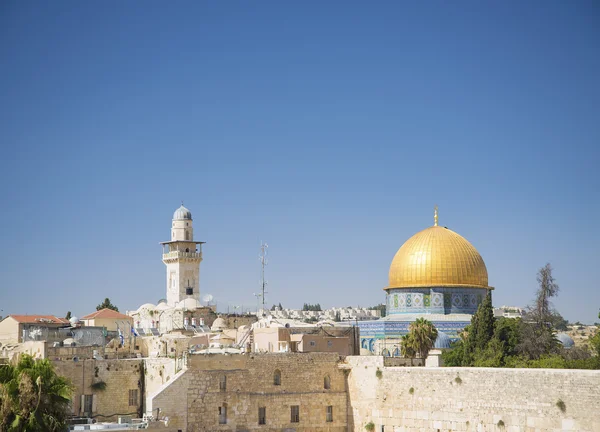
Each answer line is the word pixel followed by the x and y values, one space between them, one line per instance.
pixel 423 335
pixel 33 398
pixel 406 348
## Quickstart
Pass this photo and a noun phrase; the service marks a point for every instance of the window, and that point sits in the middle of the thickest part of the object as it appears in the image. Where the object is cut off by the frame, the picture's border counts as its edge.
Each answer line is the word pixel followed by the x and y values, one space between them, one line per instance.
pixel 187 235
pixel 329 343
pixel 277 377
pixel 329 416
pixel 295 413
pixel 313 343
pixel 223 383
pixel 327 382
pixel 223 414
pixel 262 415
pixel 133 397
pixel 87 403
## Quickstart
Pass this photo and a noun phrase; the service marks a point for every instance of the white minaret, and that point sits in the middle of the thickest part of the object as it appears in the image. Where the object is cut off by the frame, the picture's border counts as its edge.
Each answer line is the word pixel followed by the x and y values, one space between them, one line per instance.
pixel 182 256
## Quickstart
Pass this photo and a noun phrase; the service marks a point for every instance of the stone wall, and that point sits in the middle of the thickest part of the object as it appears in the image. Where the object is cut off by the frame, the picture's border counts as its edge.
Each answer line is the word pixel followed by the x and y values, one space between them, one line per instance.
pixel 407 399
pixel 248 385
pixel 120 377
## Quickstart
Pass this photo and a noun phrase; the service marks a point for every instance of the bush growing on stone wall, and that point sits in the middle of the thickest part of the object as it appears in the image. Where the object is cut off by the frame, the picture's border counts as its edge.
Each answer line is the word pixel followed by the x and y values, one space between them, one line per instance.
pixel 561 405
pixel 500 423
pixel 98 386
pixel 411 390
pixel 378 373
pixel 370 427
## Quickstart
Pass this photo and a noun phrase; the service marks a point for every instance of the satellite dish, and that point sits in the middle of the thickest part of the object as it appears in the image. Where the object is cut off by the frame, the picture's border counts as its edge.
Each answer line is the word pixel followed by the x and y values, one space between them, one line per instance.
pixel 207 298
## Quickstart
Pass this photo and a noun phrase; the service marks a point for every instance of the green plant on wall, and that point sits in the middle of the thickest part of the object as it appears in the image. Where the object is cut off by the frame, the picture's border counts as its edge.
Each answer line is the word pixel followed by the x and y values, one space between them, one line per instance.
pixel 411 390
pixel 378 373
pixel 561 405
pixel 98 386
pixel 370 427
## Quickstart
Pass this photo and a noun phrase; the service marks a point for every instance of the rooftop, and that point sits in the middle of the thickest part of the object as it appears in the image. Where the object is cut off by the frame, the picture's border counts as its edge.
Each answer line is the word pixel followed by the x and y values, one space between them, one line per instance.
pixel 105 313
pixel 31 319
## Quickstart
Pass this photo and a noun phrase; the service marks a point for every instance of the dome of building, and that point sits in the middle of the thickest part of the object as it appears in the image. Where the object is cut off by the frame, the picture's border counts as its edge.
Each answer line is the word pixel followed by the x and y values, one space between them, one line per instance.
pixel 437 257
pixel 442 341
pixel 146 306
pixel 182 214
pixel 219 324
pixel 565 340
pixel 188 303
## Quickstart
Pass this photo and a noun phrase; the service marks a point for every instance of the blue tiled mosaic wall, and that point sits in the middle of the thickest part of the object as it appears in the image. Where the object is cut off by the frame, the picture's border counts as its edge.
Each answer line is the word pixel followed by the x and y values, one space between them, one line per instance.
pixel 434 300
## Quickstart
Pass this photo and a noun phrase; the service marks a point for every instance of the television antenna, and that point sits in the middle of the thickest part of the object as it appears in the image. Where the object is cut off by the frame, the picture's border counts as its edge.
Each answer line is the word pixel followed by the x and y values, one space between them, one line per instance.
pixel 262 256
pixel 207 298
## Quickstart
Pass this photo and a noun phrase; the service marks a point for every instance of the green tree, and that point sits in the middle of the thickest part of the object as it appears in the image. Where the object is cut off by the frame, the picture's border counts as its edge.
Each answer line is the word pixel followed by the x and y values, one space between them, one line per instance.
pixel 422 334
pixel 479 332
pixel 68 315
pixel 537 336
pixel 407 347
pixel 33 398
pixel 106 304
pixel 547 289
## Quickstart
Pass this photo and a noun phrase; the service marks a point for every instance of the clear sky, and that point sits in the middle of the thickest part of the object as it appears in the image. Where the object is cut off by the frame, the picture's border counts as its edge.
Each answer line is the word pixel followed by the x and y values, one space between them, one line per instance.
pixel 327 129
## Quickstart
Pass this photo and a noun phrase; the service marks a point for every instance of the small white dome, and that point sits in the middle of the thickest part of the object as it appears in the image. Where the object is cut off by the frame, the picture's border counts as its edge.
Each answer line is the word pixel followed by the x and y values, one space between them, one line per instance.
pixel 219 324
pixel 162 307
pixel 147 306
pixel 74 321
pixel 189 304
pixel 182 214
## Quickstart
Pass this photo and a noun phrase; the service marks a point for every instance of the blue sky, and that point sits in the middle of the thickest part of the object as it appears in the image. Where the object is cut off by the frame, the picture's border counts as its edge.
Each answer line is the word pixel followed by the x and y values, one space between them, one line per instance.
pixel 327 129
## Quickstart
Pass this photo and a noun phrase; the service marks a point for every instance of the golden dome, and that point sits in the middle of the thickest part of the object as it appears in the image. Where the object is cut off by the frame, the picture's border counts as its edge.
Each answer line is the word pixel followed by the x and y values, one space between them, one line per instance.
pixel 437 257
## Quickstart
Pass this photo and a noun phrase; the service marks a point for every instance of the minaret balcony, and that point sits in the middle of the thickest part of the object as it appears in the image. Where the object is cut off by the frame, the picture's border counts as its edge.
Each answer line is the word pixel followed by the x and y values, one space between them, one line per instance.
pixel 176 255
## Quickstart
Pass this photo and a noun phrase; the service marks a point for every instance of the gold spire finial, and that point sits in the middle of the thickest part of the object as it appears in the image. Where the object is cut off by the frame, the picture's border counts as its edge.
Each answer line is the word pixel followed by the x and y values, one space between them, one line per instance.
pixel 435 215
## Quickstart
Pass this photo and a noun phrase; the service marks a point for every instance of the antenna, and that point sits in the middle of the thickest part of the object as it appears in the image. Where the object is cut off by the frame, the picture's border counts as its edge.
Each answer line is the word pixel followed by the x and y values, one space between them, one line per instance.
pixel 263 262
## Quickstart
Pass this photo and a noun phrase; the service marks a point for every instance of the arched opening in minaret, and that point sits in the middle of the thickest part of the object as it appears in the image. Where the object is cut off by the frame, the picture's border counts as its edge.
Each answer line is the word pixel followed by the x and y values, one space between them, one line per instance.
pixel 187 235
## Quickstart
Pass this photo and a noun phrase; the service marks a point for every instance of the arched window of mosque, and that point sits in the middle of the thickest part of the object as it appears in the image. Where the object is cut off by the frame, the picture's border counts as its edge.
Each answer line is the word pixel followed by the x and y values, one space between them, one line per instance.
pixel 187 235
pixel 277 377
pixel 327 382
pixel 186 224
pixel 187 249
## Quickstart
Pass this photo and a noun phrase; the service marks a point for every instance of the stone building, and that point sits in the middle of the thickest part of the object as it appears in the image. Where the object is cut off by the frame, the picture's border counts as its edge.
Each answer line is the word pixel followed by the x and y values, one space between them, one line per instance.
pixel 436 274
pixel 22 328
pixel 267 392
pixel 109 319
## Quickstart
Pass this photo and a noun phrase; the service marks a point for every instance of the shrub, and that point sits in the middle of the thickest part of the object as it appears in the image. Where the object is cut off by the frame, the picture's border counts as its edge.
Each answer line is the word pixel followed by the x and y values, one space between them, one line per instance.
pixel 411 390
pixel 378 373
pixel 561 406
pixel 370 427
pixel 458 380
pixel 99 386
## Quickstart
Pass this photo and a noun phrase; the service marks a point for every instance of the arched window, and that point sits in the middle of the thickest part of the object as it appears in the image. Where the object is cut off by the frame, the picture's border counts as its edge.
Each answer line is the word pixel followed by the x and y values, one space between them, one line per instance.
pixel 187 249
pixel 223 383
pixel 187 235
pixel 277 377
pixel 327 382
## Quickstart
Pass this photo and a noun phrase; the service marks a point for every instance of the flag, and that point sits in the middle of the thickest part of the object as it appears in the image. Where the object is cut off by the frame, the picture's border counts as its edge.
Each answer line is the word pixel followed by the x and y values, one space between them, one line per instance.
pixel 121 338
pixel 134 332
